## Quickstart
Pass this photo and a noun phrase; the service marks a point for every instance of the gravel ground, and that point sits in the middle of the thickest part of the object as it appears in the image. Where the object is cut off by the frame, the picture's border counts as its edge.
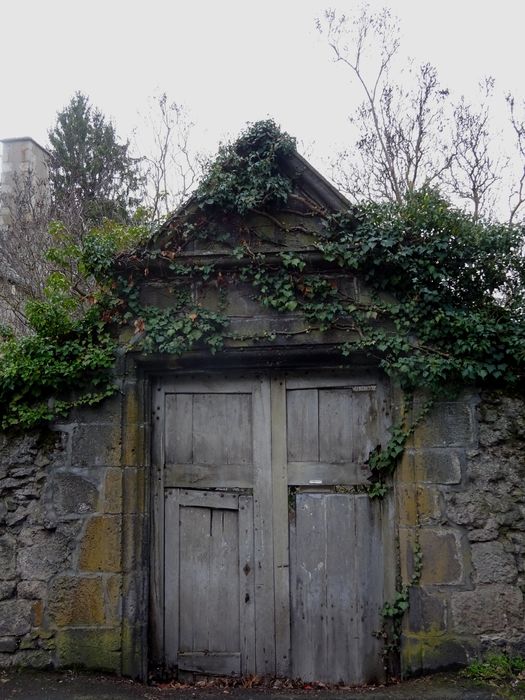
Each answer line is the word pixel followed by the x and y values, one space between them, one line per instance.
pixel 24 685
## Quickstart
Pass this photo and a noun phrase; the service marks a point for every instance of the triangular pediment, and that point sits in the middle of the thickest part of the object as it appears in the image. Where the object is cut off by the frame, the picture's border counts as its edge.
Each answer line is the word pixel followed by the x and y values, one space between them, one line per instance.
pixel 199 228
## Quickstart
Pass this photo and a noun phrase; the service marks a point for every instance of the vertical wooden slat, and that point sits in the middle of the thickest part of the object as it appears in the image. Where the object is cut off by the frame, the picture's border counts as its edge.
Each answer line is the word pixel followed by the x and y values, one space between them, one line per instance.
pixel 171 564
pixel 341 590
pixel 247 586
pixel 209 424
pixel 223 598
pixel 263 532
pixel 179 428
pixel 370 584
pixel 157 531
pixel 335 425
pixel 222 430
pixel 309 590
pixel 302 425
pixel 366 425
pixel 237 431
pixel 280 527
pixel 337 588
pixel 194 578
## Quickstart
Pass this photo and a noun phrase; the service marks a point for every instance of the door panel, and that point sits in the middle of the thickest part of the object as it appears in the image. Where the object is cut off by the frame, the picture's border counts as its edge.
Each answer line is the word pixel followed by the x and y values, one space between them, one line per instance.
pixel 208 556
pixel 337 588
pixel 248 585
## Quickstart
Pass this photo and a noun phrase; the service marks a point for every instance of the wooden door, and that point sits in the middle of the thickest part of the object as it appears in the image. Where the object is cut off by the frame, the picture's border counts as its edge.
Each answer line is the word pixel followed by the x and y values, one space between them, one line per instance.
pixel 339 539
pixel 212 584
pixel 264 560
pixel 209 625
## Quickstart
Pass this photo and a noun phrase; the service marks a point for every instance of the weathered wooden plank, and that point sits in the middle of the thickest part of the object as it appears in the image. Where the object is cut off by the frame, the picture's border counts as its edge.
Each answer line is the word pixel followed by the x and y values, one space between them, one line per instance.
pixel 341 591
pixel 309 589
pixel 223 596
pixel 171 577
pixel 370 582
pixel 338 576
pixel 179 428
pixel 335 425
pixel 247 585
pixel 194 579
pixel 238 448
pixel 226 664
pixel 207 384
pixel 209 499
pixel 222 431
pixel 263 532
pixel 328 380
pixel 367 426
pixel 208 476
pixel 302 421
pixel 317 474
pixel 156 593
pixel 280 527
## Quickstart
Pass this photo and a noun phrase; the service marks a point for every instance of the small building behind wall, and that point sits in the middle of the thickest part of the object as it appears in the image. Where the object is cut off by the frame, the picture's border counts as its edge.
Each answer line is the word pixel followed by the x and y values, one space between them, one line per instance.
pixel 24 208
pixel 211 516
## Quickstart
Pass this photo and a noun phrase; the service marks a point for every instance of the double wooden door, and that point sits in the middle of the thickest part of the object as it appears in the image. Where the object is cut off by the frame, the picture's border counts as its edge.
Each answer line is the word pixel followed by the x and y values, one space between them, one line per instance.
pixel 265 559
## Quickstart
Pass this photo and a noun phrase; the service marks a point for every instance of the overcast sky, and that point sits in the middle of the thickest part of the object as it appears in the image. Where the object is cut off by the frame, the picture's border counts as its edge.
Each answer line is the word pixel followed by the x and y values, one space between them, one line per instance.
pixel 229 61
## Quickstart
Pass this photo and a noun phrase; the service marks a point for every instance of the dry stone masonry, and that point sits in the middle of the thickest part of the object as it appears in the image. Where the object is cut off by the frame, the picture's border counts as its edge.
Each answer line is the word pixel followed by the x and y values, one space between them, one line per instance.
pixel 61 529
pixel 461 500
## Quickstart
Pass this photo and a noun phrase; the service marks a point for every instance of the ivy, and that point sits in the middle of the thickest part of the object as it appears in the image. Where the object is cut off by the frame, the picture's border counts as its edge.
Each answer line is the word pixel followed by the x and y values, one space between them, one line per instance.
pixel 445 293
pixel 247 175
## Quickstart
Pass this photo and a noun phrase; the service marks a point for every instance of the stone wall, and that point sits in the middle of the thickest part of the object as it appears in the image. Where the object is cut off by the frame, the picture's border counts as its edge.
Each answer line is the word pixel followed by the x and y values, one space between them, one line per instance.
pixel 461 501
pixel 62 557
pixel 73 537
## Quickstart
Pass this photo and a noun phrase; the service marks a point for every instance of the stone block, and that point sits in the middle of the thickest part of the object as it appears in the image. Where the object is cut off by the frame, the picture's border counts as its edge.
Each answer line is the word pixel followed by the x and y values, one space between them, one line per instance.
pixel 417 504
pixel 100 549
pixel 75 601
pixel 404 473
pixel 113 491
pixel 15 617
pixel 7 589
pixel 442 555
pixel 8 645
pixel 133 445
pixel 492 564
pixel 37 612
pixel 433 652
pixel 32 590
pixel 439 466
pixel 32 658
pixel 426 612
pixel 96 650
pixel 132 541
pixel 7 557
pixel 134 490
pixel 72 494
pixel 44 556
pixel 96 445
pixel 450 424
pixel 491 608
pixel 443 558
pixel 113 598
pixel 109 411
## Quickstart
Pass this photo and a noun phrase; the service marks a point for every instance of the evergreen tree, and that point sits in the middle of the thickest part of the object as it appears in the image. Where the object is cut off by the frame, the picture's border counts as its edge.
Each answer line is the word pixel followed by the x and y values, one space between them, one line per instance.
pixel 91 171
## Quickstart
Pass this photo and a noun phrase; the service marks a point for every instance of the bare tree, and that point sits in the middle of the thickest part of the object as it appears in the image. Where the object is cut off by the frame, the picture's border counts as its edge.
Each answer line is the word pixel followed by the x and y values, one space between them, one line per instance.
pixel 24 242
pixel 172 167
pixel 476 168
pixel 410 134
pixel 400 124
pixel 517 190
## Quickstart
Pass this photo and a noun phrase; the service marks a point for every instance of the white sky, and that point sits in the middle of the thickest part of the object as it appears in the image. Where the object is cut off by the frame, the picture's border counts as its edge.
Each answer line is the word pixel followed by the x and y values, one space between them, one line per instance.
pixel 229 61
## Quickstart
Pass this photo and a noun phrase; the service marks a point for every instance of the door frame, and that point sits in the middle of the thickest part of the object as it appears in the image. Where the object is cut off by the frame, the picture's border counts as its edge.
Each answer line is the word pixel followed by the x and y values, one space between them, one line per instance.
pixel 279 577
